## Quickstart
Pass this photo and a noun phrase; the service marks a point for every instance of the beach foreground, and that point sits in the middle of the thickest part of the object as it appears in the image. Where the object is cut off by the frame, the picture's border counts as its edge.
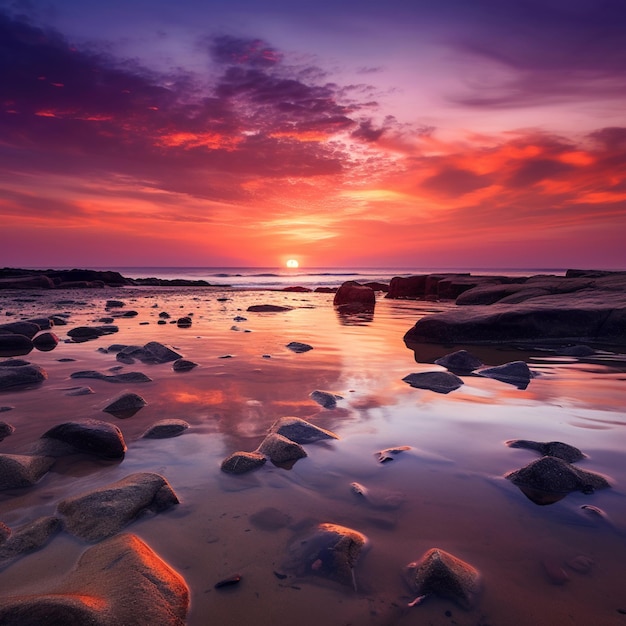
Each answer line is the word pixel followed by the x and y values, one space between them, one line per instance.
pixel 411 468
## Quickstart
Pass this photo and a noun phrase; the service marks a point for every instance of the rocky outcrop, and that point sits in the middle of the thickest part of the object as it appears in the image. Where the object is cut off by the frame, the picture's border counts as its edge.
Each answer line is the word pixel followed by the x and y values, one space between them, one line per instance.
pixel 298 347
pixel 118 581
pixel 105 511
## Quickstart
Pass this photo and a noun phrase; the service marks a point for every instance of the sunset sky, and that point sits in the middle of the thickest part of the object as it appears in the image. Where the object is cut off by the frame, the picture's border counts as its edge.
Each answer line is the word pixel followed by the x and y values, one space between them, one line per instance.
pixel 423 133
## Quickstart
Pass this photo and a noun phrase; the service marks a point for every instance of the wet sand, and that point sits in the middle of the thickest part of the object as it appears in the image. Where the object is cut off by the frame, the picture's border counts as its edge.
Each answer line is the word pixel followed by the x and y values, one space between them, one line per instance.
pixel 451 493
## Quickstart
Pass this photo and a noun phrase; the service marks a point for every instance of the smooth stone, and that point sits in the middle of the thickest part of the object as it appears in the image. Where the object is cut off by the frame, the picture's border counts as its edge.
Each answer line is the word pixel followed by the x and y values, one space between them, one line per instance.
pixel 103 512
pixel 20 470
pixel 166 428
pixel 328 550
pixel 242 462
pixel 18 373
pixel 161 352
pixel 325 398
pixel 90 436
pixel 28 329
pixel 441 382
pixel 515 373
pixel 440 573
pixel 298 347
pixel 126 377
pixel 85 333
pixel 106 320
pixel 6 430
pixel 46 342
pixel 460 362
pixel 279 449
pixel 554 475
pixel 29 538
pixel 551 448
pixel 125 406
pixel 120 581
pixel 183 322
pixel 268 308
pixel 183 365
pixel 114 304
pixel 164 315
pixel 79 391
pixel 15 345
pixel 300 431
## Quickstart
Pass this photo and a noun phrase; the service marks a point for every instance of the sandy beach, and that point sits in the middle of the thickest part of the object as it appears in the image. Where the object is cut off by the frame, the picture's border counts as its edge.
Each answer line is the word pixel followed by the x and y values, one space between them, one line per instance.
pixel 446 490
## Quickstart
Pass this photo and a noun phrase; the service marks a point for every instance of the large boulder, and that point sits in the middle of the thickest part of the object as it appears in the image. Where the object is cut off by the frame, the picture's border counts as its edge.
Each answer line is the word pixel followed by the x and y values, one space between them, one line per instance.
pixel 103 512
pixel 119 581
pixel 21 470
pixel 91 437
pixel 352 293
pixel 17 373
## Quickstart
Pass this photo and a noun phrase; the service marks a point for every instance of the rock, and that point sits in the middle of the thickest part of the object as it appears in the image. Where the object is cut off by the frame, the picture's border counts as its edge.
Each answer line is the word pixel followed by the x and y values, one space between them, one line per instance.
pixel 91 437
pixel 300 431
pixel 79 391
pixel 442 574
pixel 407 287
pixel 125 406
pixel 26 282
pixel 29 538
pixel 183 322
pixel 119 581
pixel 551 448
pixel 386 455
pixel 268 308
pixel 296 346
pixel 242 462
pixel 152 352
pixel 325 398
pixel 87 333
pixel 377 286
pixel 459 362
pixel 125 377
pixel 161 353
pixel 328 550
pixel 6 430
pixel 441 382
pixel 183 365
pixel 554 475
pixel 297 289
pixel 166 428
pixel 15 345
pixel 114 304
pixel 20 470
pixel 281 450
pixel 16 373
pixel 353 293
pixel 103 512
pixel 46 342
pixel 515 373
pixel 28 329
pixel 164 315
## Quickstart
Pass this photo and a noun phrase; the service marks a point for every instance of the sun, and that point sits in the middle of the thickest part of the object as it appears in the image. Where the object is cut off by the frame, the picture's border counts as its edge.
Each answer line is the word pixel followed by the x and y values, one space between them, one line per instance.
pixel 292 263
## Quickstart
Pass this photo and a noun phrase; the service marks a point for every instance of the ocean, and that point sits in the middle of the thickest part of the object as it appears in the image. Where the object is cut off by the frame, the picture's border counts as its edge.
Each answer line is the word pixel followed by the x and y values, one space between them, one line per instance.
pixel 278 278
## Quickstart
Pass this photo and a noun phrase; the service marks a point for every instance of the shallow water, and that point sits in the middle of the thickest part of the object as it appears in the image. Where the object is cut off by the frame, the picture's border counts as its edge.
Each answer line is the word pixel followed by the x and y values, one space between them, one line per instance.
pixel 449 486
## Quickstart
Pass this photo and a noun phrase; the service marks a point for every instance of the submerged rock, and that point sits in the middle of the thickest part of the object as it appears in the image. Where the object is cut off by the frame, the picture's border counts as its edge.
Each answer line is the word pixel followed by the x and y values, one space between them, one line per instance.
pixel 125 406
pixel 441 382
pixel 268 308
pixel 100 513
pixel 164 429
pixel 387 454
pixel 87 333
pixel 126 377
pixel 459 362
pixel 325 398
pixel 29 538
pixel 328 550
pixel 242 462
pixel 551 448
pixel 91 437
pixel 281 450
pixel 300 430
pixel 515 373
pixel 440 573
pixel 378 498
pixel 118 581
pixel 17 373
pixel 183 365
pixel 554 475
pixel 46 342
pixel 21 470
pixel 15 345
